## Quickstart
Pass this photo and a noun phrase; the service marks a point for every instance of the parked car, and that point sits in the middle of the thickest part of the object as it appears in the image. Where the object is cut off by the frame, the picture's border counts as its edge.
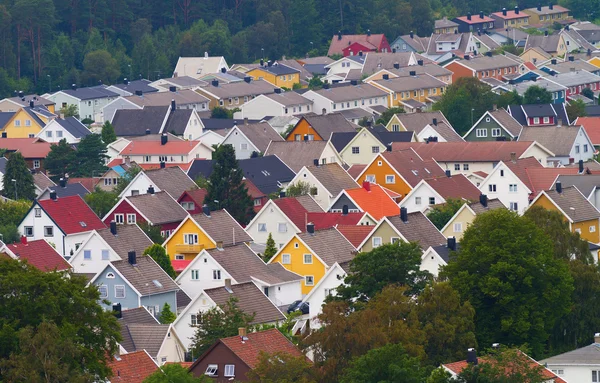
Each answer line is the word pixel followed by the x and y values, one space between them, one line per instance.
pixel 298 305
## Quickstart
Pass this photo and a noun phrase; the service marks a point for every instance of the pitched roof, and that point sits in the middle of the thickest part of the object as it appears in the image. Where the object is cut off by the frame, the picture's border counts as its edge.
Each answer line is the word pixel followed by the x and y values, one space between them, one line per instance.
pixel 297 209
pixel 492 204
pixel 128 237
pixel 329 245
pixel 243 265
pixel 333 177
pixel 135 122
pixel 349 92
pixel 587 355
pixel 412 167
pixel 70 189
pixel 239 89
pixel 133 367
pixel 222 227
pixel 418 229
pixel 158 208
pixel 339 44
pixel 457 186
pixel 39 254
pixel 147 277
pixel 296 154
pixel 573 204
pixel 375 201
pixel 288 98
pixel 171 148
pixel 42 181
pixel 491 151
pixel 71 214
pixel 409 83
pixel 173 180
pixel 586 183
pixel 74 127
pixel 91 93
pixel 327 124
pixel 138 315
pixel 253 191
pixel 37 100
pixel 277 69
pixel 510 14
pixel 559 140
pixel 261 134
pixel 374 62
pixel 507 121
pixel 28 147
pixel 196 195
pixel 488 63
pixel 475 19
pixel 136 85
pixel 327 220
pixel 578 77
pixel 545 10
pixel 521 112
pixel 251 300
pixel 355 170
pixel 149 337
pixel 592 128
pixel 418 121
pixel 548 43
pixel 445 23
pixel 355 234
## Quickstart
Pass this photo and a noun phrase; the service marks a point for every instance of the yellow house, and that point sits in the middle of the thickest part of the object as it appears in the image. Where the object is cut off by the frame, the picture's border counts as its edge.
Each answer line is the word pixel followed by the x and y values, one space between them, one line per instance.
pixel 277 74
pixel 547 14
pixel 595 61
pixel 201 231
pixel 466 215
pixel 27 122
pixel 417 87
pixel 312 254
pixel 581 214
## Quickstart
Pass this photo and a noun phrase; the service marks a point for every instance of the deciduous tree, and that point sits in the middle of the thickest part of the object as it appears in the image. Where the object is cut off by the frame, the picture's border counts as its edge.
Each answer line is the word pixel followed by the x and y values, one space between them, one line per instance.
pixel 281 367
pixel 101 201
pixel 175 373
pixel 537 95
pixel 440 215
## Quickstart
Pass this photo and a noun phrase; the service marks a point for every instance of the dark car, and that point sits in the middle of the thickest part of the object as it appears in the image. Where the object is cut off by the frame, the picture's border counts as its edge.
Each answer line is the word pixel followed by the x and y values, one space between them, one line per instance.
pixel 298 305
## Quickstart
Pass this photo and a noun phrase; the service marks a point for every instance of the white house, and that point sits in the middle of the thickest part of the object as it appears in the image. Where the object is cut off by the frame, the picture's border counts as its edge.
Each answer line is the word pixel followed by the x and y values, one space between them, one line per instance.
pixel 199 66
pixel 333 278
pixel 434 191
pixel 345 64
pixel 580 365
pixel 248 139
pixel 337 98
pixel 568 143
pixel 276 104
pixel 155 152
pixel 109 110
pixel 502 183
pixel 69 129
pixel 89 101
pixel 437 256
pixel 210 138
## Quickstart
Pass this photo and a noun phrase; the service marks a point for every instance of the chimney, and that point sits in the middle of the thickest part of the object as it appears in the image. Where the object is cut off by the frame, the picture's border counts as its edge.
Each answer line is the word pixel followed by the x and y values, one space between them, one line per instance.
pixel 448 173
pixel 483 200
pixel 559 122
pixel 215 83
pixel 117 310
pixel 345 210
pixel 53 195
pixel 513 157
pixel 277 90
pixel 597 337
pixel 139 93
pixel 404 214
pixel 580 166
pixel 164 139
pixel 366 185
pixel 452 243
pixel 539 7
pixel 545 33
pixel 412 35
pixel 516 9
pixel 481 15
pixel 558 187
pixel 74 86
pixel 205 55
pixel 113 227
pixel 270 63
pixel 162 164
pixel 223 70
pixel 310 228
pixel 23 240
pixel 467 57
pixel 21 93
pixel 469 16
pixel 503 11
pixel 420 62
pixel 247 79
pixel 326 85
pixel 282 194
pixel 220 245
pixel 354 82
pixel 131 258
pixel 173 89
pixel 206 210
pixel 31 103
pixel 173 105
pixel 150 189
pixel 553 61
pixel 388 147
pixel 435 121
pixel 572 58
pixel 472 356
pixel 589 52
pixel 63 183
pixel 386 76
pixel 550 6
pixel 396 65
pixel 316 162
pixel 494 107
pixel 242 332
pixel 339 35
pixel 148 131
pixel 412 73
pixel 245 120
pixel 368 32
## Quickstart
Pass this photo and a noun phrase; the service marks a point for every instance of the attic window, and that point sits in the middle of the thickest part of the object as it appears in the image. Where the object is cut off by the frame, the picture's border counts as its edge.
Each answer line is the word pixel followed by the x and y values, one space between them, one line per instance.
pixel 157 283
pixel 110 276
pixel 211 370
pixel 83 224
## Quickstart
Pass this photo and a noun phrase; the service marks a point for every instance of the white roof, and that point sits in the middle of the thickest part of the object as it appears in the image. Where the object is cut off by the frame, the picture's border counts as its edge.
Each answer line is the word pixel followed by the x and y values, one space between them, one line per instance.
pixel 199 66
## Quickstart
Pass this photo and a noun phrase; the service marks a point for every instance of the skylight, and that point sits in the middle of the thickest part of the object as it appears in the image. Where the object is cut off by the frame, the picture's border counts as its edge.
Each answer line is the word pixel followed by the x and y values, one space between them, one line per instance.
pixel 83 224
pixel 157 283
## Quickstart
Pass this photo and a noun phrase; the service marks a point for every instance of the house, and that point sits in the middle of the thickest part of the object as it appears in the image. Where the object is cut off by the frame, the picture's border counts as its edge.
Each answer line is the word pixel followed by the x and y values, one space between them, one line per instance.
pixel 539 114
pixel 239 264
pixel 21 100
pixel 592 128
pixel 510 19
pixel 153 208
pixel 536 54
pixel 278 104
pixel 424 125
pixel 250 299
pixel 445 26
pixel 483 67
pixel 553 45
pixel 69 129
pixel 63 222
pixel 547 14
pixel 232 358
pixel 334 99
pixel 461 220
pixel 296 154
pixel 558 91
pixel 580 213
pixel 312 253
pixel 172 180
pixel 585 183
pixel 192 200
pixel 165 151
pixel 135 282
pixel 437 256
pixel 410 43
pixel 399 171
pixel 568 143
pixel 474 23
pixel 470 157
pixel 568 65
pixel 234 94
pixel 319 127
pixel 370 198
pixel 576 81
pixel 407 227
pixel 249 140
pixel 33 150
pixel 38 253
pixel 437 190
pixel 26 122
pixel 65 189
pixel 103 246
pixel 327 181
pixel 421 68
pixel 40 181
pixel 374 62
pixel 349 45
pixel 361 146
pixel 282 218
pixel 198 66
pixel 179 82
pixel 207 230
pixel 577 365
pixel 89 101
pixel 494 125
pixel 338 70
pixel 276 74
pixel 333 278
pixel 441 47
pixel 133 367
pixel 131 87
pixel 413 87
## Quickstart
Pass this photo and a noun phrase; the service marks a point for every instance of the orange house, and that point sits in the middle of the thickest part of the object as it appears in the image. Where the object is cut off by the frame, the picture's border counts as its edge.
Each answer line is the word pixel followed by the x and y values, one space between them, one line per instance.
pixel 483 67
pixel 319 127
pixel 399 171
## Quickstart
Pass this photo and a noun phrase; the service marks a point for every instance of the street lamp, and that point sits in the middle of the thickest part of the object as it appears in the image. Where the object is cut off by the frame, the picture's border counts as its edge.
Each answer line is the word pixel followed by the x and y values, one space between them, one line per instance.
pixel 49 83
pixel 217 202
pixel 129 65
pixel 472 110
pixel 14 181
pixel 262 53
pixel 312 46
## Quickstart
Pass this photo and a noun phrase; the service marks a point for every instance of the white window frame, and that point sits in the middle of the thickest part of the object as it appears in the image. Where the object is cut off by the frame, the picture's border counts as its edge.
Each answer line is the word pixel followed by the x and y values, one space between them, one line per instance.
pixel 195 274
pixel 119 219
pixel 356 150
pixel 492 188
pixel 229 370
pixel 496 132
pixel 131 219
pixel 592 229
pixel 212 370
pixel 286 259
pixel 118 289
pixel 280 227
pixel 105 254
pixel 370 178
pixel 512 188
pixel 261 227
pixel 514 206
pixel 417 200
pixel 103 289
pixel 457 227
pixel 390 179
pixel 304 256
pixel 480 133
pixel 308 278
pixel 379 240
pixel 192 236
pixel 217 275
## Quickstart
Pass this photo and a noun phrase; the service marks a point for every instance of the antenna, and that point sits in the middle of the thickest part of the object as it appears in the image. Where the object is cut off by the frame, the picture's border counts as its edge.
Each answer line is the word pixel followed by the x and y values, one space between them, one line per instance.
pixel 233 231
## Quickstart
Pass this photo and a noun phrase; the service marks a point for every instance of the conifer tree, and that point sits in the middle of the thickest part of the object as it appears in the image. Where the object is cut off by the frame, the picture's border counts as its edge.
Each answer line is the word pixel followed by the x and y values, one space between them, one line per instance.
pixel 18 181
pixel 108 133
pixel 270 250
pixel 166 315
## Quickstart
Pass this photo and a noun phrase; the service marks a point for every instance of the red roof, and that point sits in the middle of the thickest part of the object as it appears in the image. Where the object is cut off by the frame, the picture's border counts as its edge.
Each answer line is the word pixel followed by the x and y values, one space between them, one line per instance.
pixel 592 128
pixel 530 65
pixel 511 15
pixel 327 220
pixel 180 264
pixel 184 166
pixel 475 19
pixel 268 341
pixel 337 45
pixel 355 170
pixel 355 234
pixel 196 195
pixel 457 186
pixel 374 201
pixel 28 147
pixel 40 254
pixel 481 174
pixel 535 176
pixel 156 148
pixel 72 214
pixel 293 210
pixel 132 368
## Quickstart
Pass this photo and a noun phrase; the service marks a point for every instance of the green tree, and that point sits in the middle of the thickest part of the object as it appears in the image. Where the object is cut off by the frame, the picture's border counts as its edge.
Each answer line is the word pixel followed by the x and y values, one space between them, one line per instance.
pixel 101 201
pixel 153 232
pixel 440 215
pixel 166 315
pixel 52 328
pixel 175 373
pixel 315 83
pixel 391 264
pixel 60 159
pixel 506 269
pixel 587 92
pixel 70 110
pixel 158 253
pixel 22 187
pixel 9 233
pixel 100 66
pixel 108 133
pixel 12 212
pixel 575 109
pixel 270 249
pixel 386 364
pixel 298 189
pixel 226 186
pixel 91 156
pixel 281 367
pixel 126 179
pixel 221 112
pixel 388 114
pixel 505 366
pixel 509 98
pixel 219 322
pixel 537 95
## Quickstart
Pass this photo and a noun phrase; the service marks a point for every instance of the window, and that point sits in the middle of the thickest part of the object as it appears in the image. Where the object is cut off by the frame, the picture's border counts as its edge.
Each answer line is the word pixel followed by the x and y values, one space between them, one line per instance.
pixel 262 227
pixel 375 149
pixel 308 259
pixel 193 320
pixel 211 370
pixel 417 200
pixel 105 255
pixel 286 259
pixel 49 134
pixel 282 227
pixel 576 148
pixel 536 120
pixel 119 291
pixel 585 148
pixel 103 291
pixel 17 122
pixel 131 219
pixel 432 200
pixel 458 227
pixel 370 178
pixel 481 133
pixel 195 275
pixel 492 188
pixel 592 229
pixel 38 212
pixel 244 146
pixel 355 150
pixel 546 120
pixel 502 173
pixel 179 257
pixel 390 179
pixel 514 206
pixel 229 370
pixel 36 164
pixel 190 239
pixel 309 280
pixel 147 158
pixel 512 188
pixel 216 274
pixel 465 166
pixel 457 167
pixel 257 202
pixel 496 132
pixel 377 241
pixel 395 128
pixel 29 231
pixel 119 218
pixel 27 122
pixel 48 231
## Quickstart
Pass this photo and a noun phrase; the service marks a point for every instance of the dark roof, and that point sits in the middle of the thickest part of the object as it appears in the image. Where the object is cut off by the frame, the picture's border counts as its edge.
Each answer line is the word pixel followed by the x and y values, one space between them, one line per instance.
pixel 133 86
pixel 222 123
pixel 586 183
pixel 134 122
pixel 418 229
pixel 149 337
pixel 147 277
pixel 138 315
pixel 389 137
pixel 541 110
pixel 202 168
pixel 69 190
pixel 129 237
pixel 278 69
pixel 296 154
pixel 183 299
pixel 74 127
pixel 5 117
pixel 592 110
pixel 341 139
pixel 178 121
pixel 91 93
pixel 172 180
pixel 316 69
pixel 444 251
pixel 222 227
pixel 3 162
pixel 158 208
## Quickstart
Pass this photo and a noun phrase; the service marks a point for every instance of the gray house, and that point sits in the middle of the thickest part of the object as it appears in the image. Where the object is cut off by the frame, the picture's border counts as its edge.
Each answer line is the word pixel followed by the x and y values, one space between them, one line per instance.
pixel 135 282
pixel 494 125
pixel 89 101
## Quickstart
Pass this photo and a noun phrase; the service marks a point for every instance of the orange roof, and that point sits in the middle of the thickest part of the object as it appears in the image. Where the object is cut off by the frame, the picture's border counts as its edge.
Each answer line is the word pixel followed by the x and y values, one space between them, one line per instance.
pixel 475 19
pixel 133 367
pixel 197 195
pixel 511 15
pixel 372 199
pixel 184 166
pixel 355 234
pixel 592 128
pixel 156 148
pixel 530 65
pixel 88 183
pixel 28 147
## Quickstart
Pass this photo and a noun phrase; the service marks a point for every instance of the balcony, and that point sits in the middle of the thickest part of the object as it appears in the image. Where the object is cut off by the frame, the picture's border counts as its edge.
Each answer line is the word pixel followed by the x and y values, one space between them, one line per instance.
pixel 186 249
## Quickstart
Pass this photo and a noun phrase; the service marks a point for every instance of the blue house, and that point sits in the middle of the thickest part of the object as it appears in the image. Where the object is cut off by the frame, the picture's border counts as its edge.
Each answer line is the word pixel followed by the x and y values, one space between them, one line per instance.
pixel 136 282
pixel 409 43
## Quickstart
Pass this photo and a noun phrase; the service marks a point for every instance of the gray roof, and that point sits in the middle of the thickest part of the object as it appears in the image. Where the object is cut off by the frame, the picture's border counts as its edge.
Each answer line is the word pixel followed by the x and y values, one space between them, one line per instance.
pixel 418 229
pixel 296 154
pixel 586 183
pixel 5 117
pixel 545 10
pixel 575 78
pixel 182 300
pixel 251 300
pixel 559 140
pixel 222 227
pixel 487 63
pixel 487 41
pixel 409 83
pixel 377 61
pixel 147 337
pixel 416 122
pixel 588 355
pixel 42 181
pixel 445 23
pixel 239 89
pixel 69 190
pixel 74 127
pixel 567 66
pixel 181 97
pixel 333 177
pixel 351 92
pixel 91 93
pixel 541 82
pixel 327 124
pixel 261 134
pixel 134 122
pixel 279 69
pixel 573 204
pixel 288 98
pixel 138 315
pixel 158 208
pixel 178 121
pixel 417 43
pixel 136 85
pixel 37 100
pixel 354 113
pixel 128 238
pixel 591 35
pixel 507 121
pixel 243 264
pixel 492 204
pixel 173 180
pixel 431 69
pixel 185 81
pixel 3 162
pixel 147 277
pixel 329 245
pixel 548 44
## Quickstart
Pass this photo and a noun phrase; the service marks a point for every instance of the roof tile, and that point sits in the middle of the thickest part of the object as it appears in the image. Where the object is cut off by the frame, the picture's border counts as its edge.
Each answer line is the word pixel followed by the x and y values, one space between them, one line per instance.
pixel 71 214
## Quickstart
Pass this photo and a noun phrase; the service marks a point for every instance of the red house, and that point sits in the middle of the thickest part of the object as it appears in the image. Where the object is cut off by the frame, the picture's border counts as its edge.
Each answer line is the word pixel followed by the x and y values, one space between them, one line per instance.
pixel 156 209
pixel 352 45
pixel 259 198
pixel 37 253
pixel 192 200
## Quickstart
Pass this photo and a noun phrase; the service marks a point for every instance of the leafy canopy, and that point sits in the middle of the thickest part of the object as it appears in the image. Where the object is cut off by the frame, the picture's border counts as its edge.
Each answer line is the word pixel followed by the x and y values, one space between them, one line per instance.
pixel 440 215
pixel 159 254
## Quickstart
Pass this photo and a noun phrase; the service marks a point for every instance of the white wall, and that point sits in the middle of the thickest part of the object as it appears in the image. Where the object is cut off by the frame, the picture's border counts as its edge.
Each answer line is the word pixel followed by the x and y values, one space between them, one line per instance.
pixel 271 216
pixel 424 192
pixel 38 224
pixel 337 67
pixel 283 294
pixel 322 197
pixel 183 323
pixel 95 244
pixel 317 295
pixel 260 107
pixel 72 240
pixel 53 128
pixel 427 132
pixel 575 374
pixel 141 184
pixel 580 141
pixel 237 139
pixel 205 265
pixel 503 193
pixel 172 349
pixel 431 262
